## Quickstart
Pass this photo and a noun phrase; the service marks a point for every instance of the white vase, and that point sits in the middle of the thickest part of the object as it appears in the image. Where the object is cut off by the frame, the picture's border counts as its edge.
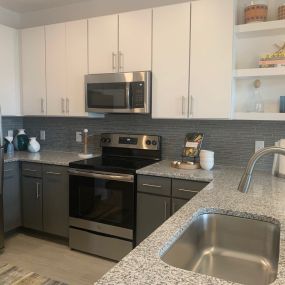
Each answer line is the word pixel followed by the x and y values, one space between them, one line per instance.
pixel 34 145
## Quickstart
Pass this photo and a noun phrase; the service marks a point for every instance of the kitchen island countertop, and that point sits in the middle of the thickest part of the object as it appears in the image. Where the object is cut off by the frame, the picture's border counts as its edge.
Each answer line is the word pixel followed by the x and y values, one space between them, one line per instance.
pixel 265 201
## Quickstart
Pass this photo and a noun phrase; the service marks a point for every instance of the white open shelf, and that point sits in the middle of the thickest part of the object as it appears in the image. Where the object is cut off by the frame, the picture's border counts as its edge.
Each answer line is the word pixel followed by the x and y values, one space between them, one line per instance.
pixel 259 116
pixel 260 29
pixel 259 72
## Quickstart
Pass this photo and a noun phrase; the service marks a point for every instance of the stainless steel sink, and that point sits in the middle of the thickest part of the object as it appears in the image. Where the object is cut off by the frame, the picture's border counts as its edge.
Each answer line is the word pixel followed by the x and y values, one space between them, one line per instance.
pixel 232 248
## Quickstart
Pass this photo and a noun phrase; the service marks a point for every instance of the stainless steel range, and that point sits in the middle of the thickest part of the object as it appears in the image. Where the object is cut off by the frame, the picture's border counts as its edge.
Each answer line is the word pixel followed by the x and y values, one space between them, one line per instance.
pixel 102 198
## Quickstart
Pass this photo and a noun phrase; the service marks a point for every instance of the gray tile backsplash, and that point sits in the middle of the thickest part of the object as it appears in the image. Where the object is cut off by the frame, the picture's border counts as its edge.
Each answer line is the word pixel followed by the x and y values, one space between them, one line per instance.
pixel 12 123
pixel 232 141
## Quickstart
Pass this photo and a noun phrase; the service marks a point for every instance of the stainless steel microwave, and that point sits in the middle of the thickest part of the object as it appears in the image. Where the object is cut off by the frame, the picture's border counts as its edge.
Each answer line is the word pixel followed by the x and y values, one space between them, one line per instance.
pixel 118 92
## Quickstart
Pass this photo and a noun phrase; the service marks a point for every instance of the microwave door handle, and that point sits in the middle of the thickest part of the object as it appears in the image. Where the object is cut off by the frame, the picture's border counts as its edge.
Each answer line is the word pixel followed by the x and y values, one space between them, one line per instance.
pixel 128 95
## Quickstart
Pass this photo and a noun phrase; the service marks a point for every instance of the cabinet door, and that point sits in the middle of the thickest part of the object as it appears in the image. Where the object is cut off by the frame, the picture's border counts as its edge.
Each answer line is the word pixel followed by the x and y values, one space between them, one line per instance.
pixel 103 44
pixel 76 55
pixel 152 211
pixel 170 70
pixel 177 204
pixel 135 30
pixel 32 203
pixel 211 58
pixel 55 200
pixel 11 197
pixel 56 69
pixel 33 71
pixel 9 72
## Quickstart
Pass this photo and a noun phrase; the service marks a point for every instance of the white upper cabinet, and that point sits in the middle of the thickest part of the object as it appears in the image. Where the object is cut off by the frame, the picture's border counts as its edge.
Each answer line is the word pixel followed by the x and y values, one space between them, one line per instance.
pixel 103 44
pixel 33 71
pixel 135 30
pixel 212 23
pixel 170 70
pixel 76 67
pixel 56 69
pixel 10 99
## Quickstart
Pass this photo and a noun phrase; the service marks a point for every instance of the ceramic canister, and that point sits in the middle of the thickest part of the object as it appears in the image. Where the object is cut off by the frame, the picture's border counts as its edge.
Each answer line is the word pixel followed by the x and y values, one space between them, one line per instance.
pixel 34 145
pixel 21 140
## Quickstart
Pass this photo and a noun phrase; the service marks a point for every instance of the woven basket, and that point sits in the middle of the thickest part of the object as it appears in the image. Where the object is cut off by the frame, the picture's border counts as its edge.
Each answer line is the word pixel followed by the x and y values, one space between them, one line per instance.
pixel 281 12
pixel 256 13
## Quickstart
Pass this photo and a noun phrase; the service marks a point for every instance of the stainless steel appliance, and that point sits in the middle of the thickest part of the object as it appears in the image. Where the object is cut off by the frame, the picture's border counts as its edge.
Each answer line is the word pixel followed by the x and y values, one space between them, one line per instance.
pixel 1 184
pixel 102 194
pixel 118 92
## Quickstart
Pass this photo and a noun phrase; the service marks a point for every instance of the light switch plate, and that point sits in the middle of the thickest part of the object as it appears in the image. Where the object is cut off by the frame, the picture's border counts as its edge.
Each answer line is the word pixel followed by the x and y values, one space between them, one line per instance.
pixel 10 133
pixel 259 145
pixel 78 137
pixel 42 135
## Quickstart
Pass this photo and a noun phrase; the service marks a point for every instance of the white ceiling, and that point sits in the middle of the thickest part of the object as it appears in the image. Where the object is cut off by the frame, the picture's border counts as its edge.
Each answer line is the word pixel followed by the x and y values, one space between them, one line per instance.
pixel 23 6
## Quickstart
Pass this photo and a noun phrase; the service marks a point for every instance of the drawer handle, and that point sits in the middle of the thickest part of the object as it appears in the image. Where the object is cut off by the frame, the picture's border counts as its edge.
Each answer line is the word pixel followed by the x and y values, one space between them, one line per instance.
pixel 8 170
pixel 186 190
pixel 31 170
pixel 53 173
pixel 151 185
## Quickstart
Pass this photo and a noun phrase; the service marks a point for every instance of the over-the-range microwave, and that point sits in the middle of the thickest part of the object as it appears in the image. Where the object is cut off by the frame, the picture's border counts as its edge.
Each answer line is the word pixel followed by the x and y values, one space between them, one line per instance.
pixel 118 92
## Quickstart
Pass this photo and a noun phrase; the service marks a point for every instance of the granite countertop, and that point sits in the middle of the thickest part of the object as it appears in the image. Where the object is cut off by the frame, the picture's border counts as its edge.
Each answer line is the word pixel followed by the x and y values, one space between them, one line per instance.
pixel 265 201
pixel 46 157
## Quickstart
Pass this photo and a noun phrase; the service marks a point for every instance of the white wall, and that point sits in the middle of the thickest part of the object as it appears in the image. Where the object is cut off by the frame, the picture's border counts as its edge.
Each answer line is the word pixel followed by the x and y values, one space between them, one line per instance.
pixel 10 18
pixel 88 9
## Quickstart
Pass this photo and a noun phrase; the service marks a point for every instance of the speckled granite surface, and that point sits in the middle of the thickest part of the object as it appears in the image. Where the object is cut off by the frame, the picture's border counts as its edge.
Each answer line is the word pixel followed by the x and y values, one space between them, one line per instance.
pixel 46 157
pixel 265 201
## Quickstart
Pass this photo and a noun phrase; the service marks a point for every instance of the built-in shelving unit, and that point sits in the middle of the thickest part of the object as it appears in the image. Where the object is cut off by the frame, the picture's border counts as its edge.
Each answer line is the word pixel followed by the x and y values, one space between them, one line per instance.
pixel 251 42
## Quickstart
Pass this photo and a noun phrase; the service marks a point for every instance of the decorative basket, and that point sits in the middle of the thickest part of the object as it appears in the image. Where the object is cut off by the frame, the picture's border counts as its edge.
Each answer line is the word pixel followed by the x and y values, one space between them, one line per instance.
pixel 256 13
pixel 281 12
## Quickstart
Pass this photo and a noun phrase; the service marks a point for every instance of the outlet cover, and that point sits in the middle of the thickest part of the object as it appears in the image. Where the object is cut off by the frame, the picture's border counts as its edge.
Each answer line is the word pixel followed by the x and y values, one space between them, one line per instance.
pixel 78 137
pixel 42 135
pixel 259 145
pixel 10 133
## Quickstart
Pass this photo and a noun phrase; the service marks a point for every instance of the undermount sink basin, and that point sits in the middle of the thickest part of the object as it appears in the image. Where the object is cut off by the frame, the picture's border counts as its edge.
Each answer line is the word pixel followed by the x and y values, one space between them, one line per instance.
pixel 235 249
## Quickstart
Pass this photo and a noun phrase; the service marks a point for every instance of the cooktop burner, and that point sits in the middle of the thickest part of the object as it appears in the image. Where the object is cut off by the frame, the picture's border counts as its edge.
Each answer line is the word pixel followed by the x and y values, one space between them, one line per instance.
pixel 112 164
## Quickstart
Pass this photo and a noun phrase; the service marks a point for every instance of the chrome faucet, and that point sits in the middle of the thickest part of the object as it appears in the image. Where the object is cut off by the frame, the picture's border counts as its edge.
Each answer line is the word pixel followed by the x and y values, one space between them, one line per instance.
pixel 246 177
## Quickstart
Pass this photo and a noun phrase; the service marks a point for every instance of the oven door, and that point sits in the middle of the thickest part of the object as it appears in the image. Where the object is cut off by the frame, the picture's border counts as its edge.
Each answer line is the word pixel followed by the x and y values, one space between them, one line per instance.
pixel 102 202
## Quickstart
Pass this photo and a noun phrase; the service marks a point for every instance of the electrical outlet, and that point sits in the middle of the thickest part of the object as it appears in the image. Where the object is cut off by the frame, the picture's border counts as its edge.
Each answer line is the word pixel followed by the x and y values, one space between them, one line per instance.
pixel 10 133
pixel 78 137
pixel 42 135
pixel 259 145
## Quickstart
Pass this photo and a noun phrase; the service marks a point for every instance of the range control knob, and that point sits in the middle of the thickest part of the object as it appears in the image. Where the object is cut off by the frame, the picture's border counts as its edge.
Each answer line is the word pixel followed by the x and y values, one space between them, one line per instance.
pixel 148 142
pixel 108 140
pixel 154 142
pixel 103 140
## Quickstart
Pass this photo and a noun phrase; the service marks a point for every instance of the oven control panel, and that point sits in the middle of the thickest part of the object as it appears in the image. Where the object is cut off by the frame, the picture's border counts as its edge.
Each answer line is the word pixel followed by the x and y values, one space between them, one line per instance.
pixel 131 141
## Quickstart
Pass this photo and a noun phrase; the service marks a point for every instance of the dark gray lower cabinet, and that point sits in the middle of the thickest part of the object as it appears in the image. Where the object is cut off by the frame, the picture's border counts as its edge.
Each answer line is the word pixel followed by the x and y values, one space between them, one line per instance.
pixel 55 200
pixel 12 196
pixel 152 211
pixel 177 204
pixel 32 200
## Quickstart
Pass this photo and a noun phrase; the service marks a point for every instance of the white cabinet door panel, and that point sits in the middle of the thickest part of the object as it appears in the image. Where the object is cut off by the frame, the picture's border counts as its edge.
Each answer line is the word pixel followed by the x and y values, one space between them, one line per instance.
pixel 33 71
pixel 212 23
pixel 171 40
pixel 10 99
pixel 76 60
pixel 56 69
pixel 103 44
pixel 135 40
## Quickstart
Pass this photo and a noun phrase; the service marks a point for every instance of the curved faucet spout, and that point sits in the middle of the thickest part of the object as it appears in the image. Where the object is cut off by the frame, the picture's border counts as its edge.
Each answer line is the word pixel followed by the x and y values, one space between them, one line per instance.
pixel 246 177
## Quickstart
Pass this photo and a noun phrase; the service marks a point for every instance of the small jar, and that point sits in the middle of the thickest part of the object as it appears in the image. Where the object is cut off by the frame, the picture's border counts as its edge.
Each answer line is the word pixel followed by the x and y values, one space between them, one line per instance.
pixel 281 12
pixel 256 12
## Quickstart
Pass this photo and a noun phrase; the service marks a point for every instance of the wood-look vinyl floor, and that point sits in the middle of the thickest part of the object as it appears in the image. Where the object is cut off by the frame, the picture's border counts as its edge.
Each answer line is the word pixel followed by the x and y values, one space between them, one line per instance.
pixel 53 259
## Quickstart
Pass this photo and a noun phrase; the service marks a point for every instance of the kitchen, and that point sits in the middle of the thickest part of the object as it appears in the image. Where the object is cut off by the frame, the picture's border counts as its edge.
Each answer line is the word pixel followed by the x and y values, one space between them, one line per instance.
pixel 62 62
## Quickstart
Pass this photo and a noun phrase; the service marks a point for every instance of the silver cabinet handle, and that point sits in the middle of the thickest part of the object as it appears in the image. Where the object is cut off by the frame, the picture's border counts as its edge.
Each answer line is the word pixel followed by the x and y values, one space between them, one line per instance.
pixel 53 173
pixel 121 61
pixel 30 170
pixel 183 106
pixel 165 210
pixel 151 185
pixel 8 170
pixel 114 61
pixel 67 105
pixel 38 190
pixel 186 190
pixel 42 106
pixel 62 105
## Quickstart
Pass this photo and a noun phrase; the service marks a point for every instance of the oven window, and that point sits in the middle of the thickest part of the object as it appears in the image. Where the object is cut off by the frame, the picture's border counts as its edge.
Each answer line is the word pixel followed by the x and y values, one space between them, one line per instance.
pixel 106 95
pixel 104 201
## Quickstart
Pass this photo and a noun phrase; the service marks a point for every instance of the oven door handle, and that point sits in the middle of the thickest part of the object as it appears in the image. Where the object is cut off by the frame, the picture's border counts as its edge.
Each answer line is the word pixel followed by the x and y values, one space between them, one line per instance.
pixel 111 176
